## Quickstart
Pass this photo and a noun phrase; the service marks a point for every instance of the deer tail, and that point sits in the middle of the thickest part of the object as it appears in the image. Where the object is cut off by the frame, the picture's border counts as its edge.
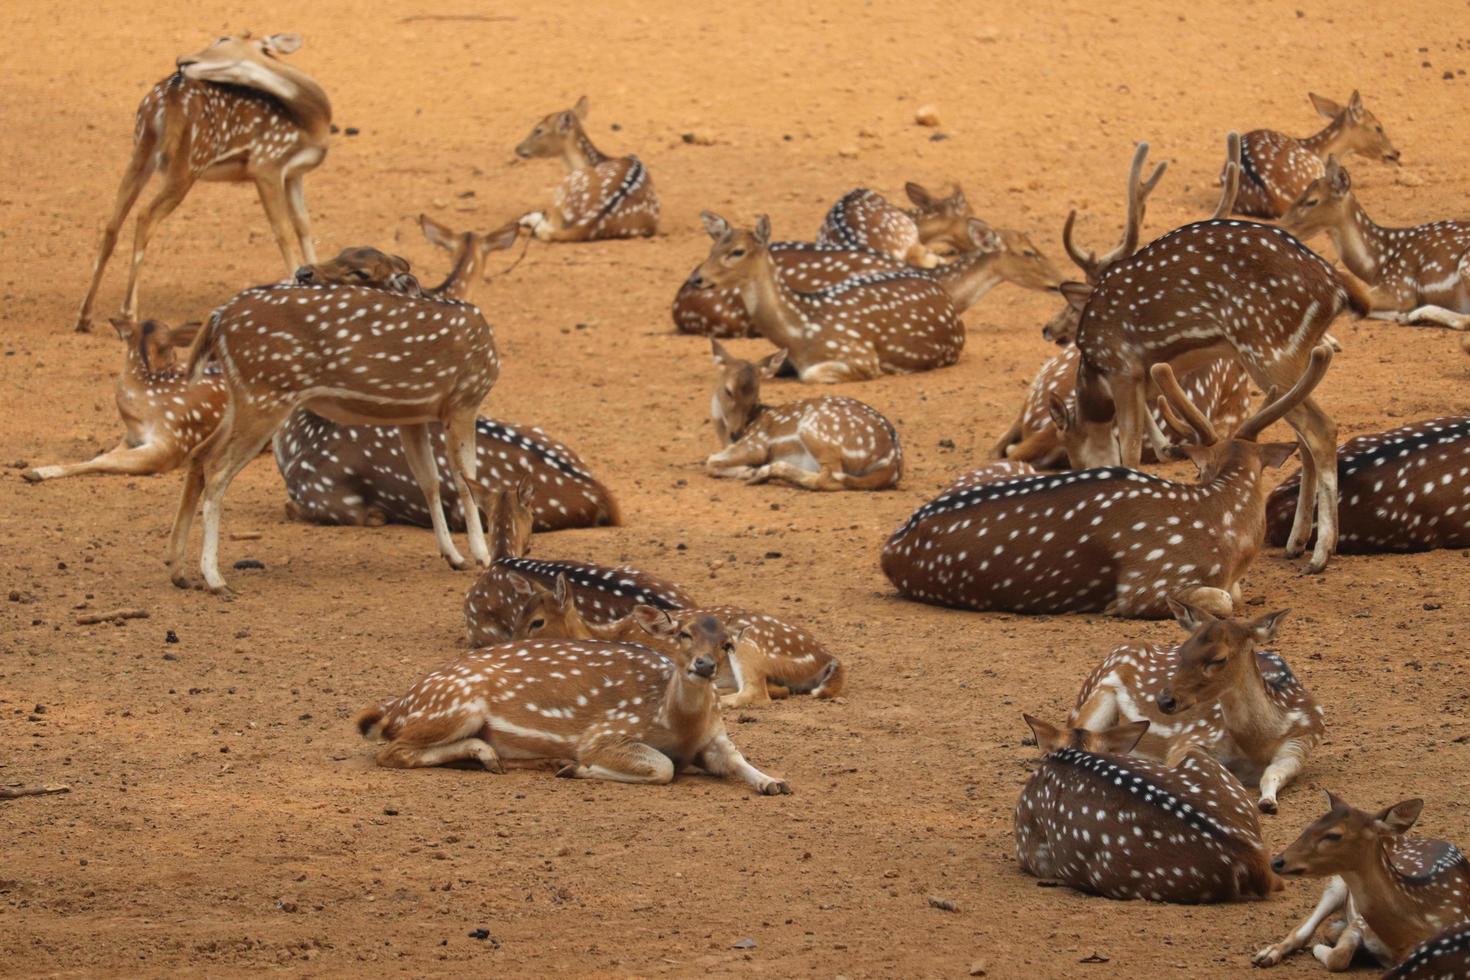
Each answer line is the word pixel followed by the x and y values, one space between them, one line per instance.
pixel 203 349
pixel 373 722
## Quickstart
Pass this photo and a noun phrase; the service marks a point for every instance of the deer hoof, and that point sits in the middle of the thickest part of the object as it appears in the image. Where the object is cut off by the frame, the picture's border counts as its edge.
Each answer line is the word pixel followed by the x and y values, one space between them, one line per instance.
pixel 181 581
pixel 32 475
pixel 568 771
pixel 223 593
pixel 1267 804
pixel 84 325
pixel 776 787
pixel 1269 956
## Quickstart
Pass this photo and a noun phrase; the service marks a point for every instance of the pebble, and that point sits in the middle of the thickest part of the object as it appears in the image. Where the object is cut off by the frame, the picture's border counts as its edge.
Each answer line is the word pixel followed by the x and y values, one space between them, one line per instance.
pixel 926 115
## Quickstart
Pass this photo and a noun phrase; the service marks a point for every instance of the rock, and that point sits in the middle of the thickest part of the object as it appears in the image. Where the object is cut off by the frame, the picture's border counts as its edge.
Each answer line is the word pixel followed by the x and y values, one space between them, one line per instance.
pixel 978 968
pixel 746 943
pixel 847 150
pixel 1407 178
pixel 170 637
pixel 942 904
pixel 698 139
pixel 926 115
pixel 987 35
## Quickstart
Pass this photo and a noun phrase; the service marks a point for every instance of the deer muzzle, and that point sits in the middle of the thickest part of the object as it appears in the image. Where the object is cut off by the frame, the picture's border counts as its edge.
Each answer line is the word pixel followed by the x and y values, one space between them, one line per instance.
pixel 703 666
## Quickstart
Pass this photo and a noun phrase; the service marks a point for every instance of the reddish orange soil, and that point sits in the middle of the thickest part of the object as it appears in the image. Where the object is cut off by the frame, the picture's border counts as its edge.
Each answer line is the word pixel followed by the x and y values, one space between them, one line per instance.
pixel 223 814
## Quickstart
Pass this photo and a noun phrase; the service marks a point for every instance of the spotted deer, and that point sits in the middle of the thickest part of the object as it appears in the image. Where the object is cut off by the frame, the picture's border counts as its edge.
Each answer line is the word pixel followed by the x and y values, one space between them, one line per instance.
pixel 1445 956
pixel 993 472
pixel 1275 168
pixel 1401 490
pixel 600 197
pixel 614 711
pixel 165 415
pixel 861 328
pixel 603 593
pixel 351 354
pixel 1394 891
pixel 1414 275
pixel 826 443
pixel 1217 691
pixel 770 659
pixel 1112 540
pixel 864 219
pixel 232 112
pixel 1102 821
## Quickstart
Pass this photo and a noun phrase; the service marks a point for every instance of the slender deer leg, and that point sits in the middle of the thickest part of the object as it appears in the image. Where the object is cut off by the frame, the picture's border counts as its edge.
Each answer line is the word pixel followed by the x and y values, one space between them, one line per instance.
pixel 737 460
pixel 403 754
pixel 1282 770
pixel 1306 503
pixel 250 430
pixel 149 458
pixel 1438 315
pixel 779 469
pixel 460 441
pixel 419 455
pixel 1339 956
pixel 300 217
pixel 177 181
pixel 1334 897
pixel 722 758
pixel 747 666
pixel 272 190
pixel 1012 437
pixel 1128 403
pixel 621 762
pixel 184 518
pixel 140 168
pixel 1320 433
pixel 836 372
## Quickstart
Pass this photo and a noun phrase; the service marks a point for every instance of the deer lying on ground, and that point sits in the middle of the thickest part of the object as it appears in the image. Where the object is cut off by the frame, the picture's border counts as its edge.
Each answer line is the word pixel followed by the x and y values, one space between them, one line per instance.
pixel 1101 821
pixel 864 219
pixel 1395 891
pixel 1401 490
pixel 617 711
pixel 1441 957
pixel 989 473
pixel 600 197
pixel 603 593
pixel 1112 540
pixel 826 443
pixel 1275 168
pixel 770 659
pixel 232 112
pixel 1414 275
pixel 861 328
pixel 1215 691
pixel 164 415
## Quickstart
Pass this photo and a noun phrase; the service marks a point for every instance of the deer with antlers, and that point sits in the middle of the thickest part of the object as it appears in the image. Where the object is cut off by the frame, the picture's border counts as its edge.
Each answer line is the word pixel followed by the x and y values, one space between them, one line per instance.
pixel 1445 956
pixel 232 112
pixel 1401 490
pixel 1394 891
pixel 616 711
pixel 1414 275
pixel 1217 691
pixel 1104 822
pixel 603 593
pixel 864 219
pixel 1275 168
pixel 859 329
pixel 770 658
pixel 1112 540
pixel 826 443
pixel 600 197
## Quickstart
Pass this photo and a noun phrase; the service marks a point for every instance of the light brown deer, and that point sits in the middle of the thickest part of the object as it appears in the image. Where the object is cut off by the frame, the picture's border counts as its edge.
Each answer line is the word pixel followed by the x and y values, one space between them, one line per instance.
pixel 232 112
pixel 1101 821
pixel 862 328
pixel 1275 168
pixel 1112 540
pixel 1216 691
pixel 164 415
pixel 603 593
pixel 1445 956
pixel 864 219
pixel 989 473
pixel 351 354
pixel 1414 275
pixel 826 443
pixel 1395 891
pixel 616 711
pixel 600 197
pixel 770 659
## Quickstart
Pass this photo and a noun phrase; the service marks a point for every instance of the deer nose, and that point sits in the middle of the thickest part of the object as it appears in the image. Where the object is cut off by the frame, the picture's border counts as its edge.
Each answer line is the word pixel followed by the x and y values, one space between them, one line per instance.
pixel 305 274
pixel 696 281
pixel 1167 704
pixel 703 666
pixel 1391 157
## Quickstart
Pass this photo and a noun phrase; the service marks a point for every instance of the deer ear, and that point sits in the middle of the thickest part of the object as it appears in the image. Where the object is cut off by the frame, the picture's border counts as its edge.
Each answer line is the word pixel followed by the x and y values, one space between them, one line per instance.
pixel 1273 454
pixel 1061 414
pixel 1122 739
pixel 1398 818
pixel 521 584
pixel 1049 737
pixel 1188 616
pixel 1355 103
pixel 1324 105
pixel 526 491
pixel 501 238
pixel 1264 628
pixel 957 199
pixel 183 335
pixel 918 194
pixel 283 43
pixel 1076 294
pixel 123 326
pixel 565 121
pixel 770 365
pixel 718 352
pixel 714 225
pixel 1338 178
pixel 984 237
pixel 654 621
pixel 563 590
pixel 437 234
pixel 763 230
pixel 581 108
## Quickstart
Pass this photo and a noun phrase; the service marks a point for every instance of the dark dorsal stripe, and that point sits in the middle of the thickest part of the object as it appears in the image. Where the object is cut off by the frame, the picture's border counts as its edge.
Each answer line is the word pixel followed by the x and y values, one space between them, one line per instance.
pixel 614 581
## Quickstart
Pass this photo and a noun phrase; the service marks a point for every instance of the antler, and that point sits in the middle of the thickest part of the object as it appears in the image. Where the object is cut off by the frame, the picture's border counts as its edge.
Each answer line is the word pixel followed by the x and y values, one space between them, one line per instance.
pixel 1138 192
pixel 1230 178
pixel 1174 398
pixel 1275 408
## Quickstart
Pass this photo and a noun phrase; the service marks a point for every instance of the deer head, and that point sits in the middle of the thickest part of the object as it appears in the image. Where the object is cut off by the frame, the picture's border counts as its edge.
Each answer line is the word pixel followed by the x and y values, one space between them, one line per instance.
pixel 736 256
pixel 1345 838
pixel 153 343
pixel 477 246
pixel 737 396
pixel 240 59
pixel 1017 259
pixel 361 265
pixel 1219 655
pixel 548 136
pixel 1361 131
pixel 941 220
pixel 512 518
pixel 1323 205
pixel 1119 740
pixel 547 612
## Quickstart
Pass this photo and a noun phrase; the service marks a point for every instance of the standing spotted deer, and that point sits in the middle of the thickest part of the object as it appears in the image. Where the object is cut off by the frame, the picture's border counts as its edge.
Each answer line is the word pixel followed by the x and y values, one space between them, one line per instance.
pixel 600 197
pixel 864 219
pixel 859 329
pixel 232 112
pixel 1407 489
pixel 1102 821
pixel 1394 891
pixel 1275 168
pixel 1216 691
pixel 1414 275
pixel 614 711
pixel 1112 540
pixel 826 443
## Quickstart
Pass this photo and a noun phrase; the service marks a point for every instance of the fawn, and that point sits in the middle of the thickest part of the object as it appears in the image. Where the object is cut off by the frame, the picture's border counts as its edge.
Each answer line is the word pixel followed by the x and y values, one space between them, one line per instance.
pixel 826 443
pixel 1216 691
pixel 232 112
pixel 617 711
pixel 864 219
pixel 1275 168
pixel 1395 891
pixel 770 659
pixel 1101 821
pixel 1401 490
pixel 600 197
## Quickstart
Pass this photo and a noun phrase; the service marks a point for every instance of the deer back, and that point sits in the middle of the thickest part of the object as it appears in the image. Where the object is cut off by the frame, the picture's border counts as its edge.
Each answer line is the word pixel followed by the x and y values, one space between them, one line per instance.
pixel 1274 170
pixel 612 199
pixel 1440 957
pixel 864 219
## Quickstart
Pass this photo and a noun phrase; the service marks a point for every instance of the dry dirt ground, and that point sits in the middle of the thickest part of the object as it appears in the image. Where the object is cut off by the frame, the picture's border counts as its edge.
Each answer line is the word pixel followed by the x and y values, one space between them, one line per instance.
pixel 223 814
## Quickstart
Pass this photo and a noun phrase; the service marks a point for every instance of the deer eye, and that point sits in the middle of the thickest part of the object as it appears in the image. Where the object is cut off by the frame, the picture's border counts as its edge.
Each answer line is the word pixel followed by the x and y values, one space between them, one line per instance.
pixel 1218 662
pixel 1310 203
pixel 1029 254
pixel 729 647
pixel 1334 836
pixel 737 253
pixel 361 274
pixel 684 635
pixel 537 624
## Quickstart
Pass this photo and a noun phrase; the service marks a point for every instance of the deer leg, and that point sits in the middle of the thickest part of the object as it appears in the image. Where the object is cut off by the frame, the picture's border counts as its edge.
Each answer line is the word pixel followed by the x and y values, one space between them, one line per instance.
pixel 836 372
pixel 721 758
pixel 747 666
pixel 1431 313
pixel 140 167
pixel 1282 770
pixel 177 182
pixel 250 429
pixel 419 455
pixel 1319 433
pixel 1128 403
pixel 1334 897
pixel 459 434
pixel 621 762
pixel 184 519
pixel 272 190
pixel 300 217
pixel 149 458
pixel 401 754
pixel 737 460
pixel 780 469
pixel 1339 956
pixel 1012 437
pixel 919 254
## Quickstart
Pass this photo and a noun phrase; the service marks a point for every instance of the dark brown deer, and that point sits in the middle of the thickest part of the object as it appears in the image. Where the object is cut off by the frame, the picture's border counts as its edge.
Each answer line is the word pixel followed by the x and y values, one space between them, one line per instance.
pixel 1112 540
pixel 1217 691
pixel 1395 891
pixel 1276 168
pixel 1445 956
pixel 1101 821
pixel 1401 490
pixel 864 219
pixel 232 112
pixel 600 197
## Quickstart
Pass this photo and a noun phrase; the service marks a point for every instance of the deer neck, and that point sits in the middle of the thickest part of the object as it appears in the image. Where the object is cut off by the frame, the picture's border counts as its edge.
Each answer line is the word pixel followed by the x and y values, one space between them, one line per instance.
pixel 1238 495
pixel 1394 913
pixel 505 543
pixel 1251 716
pixel 773 306
pixel 968 278
pixel 687 704
pixel 751 422
pixel 467 262
pixel 578 152
pixel 1362 244
pixel 1330 139
pixel 301 95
